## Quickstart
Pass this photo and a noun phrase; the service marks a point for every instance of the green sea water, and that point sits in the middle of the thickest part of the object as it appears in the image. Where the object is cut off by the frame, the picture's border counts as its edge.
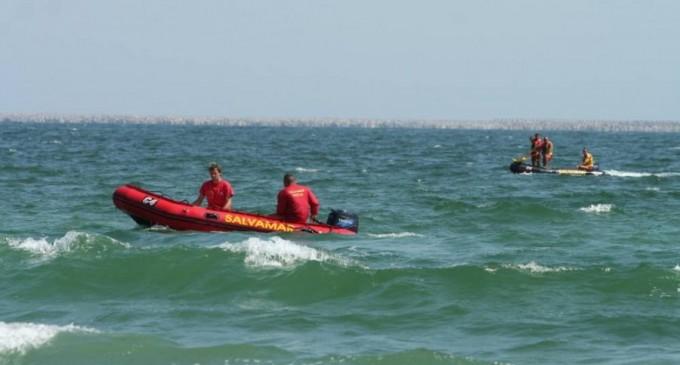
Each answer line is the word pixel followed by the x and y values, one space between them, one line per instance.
pixel 457 260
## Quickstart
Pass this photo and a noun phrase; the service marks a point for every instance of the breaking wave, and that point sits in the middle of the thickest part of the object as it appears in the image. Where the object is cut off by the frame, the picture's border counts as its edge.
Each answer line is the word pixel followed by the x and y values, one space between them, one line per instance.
pixel 302 169
pixel 597 208
pixel 534 267
pixel 70 241
pixel 278 252
pixel 20 337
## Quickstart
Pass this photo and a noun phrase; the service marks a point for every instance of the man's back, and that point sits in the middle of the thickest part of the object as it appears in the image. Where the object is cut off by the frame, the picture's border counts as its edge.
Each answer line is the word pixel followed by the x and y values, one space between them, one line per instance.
pixel 295 202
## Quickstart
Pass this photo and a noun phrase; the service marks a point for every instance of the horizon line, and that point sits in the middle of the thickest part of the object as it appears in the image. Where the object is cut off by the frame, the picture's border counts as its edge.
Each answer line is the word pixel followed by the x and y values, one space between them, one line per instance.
pixel 513 123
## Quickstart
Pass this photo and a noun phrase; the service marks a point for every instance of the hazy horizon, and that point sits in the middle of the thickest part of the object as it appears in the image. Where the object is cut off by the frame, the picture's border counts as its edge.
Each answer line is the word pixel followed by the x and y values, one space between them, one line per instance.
pixel 491 124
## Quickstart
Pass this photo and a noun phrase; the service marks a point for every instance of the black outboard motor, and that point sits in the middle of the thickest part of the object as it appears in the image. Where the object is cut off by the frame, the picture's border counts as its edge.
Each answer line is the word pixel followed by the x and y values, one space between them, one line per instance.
pixel 517 167
pixel 343 219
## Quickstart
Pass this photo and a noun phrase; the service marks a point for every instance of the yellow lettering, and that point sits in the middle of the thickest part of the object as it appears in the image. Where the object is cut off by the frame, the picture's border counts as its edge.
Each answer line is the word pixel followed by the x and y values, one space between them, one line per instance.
pixel 258 223
pixel 270 226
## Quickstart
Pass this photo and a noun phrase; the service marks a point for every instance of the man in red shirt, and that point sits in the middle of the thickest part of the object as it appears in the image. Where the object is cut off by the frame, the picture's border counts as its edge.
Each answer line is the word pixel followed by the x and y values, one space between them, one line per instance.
pixel 218 190
pixel 296 202
pixel 536 149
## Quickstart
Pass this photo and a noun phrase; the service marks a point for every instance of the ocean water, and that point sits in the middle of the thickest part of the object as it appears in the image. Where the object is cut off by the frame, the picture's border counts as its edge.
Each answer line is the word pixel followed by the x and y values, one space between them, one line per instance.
pixel 457 261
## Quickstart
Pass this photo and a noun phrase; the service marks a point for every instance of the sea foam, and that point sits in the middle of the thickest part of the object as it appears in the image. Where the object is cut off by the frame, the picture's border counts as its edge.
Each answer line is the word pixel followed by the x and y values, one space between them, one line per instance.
pixel 597 208
pixel 394 235
pixel 303 169
pixel 278 252
pixel 640 174
pixel 42 247
pixel 23 336
pixel 534 267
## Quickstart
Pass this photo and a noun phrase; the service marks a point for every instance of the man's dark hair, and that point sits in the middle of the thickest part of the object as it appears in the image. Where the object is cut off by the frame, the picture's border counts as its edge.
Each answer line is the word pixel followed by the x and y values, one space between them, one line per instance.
pixel 214 166
pixel 288 179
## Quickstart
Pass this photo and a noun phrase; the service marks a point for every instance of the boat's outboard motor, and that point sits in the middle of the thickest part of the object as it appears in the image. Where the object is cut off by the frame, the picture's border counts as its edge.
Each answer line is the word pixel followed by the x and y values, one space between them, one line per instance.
pixel 343 219
pixel 516 167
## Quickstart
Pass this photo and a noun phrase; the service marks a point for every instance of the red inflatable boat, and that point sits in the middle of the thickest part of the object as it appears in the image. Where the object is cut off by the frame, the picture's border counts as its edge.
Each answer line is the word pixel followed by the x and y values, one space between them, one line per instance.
pixel 148 209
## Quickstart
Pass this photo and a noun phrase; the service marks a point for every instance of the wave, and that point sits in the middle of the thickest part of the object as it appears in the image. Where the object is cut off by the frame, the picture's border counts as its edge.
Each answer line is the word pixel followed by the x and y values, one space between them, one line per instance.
pixel 409 357
pixel 597 208
pixel 152 349
pixel 495 124
pixel 70 241
pixel 23 336
pixel 302 169
pixel 278 252
pixel 394 235
pixel 640 174
pixel 534 267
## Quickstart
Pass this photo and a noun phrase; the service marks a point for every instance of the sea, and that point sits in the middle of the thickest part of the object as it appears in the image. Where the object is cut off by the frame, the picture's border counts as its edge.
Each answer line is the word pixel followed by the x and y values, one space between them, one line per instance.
pixel 457 260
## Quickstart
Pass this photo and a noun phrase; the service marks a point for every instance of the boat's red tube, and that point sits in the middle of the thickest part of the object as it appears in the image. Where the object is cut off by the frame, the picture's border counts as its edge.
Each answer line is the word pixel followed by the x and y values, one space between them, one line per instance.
pixel 149 208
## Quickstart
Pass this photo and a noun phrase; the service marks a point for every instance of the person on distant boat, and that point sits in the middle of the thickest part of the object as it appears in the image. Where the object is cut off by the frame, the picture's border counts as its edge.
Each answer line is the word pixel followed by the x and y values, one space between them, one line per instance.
pixel 536 149
pixel 547 151
pixel 295 203
pixel 218 190
pixel 588 162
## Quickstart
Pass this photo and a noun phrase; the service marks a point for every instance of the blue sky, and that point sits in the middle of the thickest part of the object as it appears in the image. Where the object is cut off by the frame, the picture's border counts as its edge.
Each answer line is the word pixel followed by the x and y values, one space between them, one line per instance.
pixel 481 59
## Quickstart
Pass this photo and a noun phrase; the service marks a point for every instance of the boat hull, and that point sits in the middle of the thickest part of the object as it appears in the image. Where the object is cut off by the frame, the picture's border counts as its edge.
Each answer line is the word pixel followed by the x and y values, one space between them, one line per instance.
pixel 148 209
pixel 520 168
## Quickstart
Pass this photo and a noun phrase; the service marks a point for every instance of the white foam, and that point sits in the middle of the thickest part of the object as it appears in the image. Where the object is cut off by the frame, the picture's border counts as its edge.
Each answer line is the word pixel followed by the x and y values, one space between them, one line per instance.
pixel 278 252
pixel 627 173
pixel 534 267
pixel 159 228
pixel 652 189
pixel 43 247
pixel 394 235
pixel 302 169
pixel 22 336
pixel 640 174
pixel 677 268
pixel 437 146
pixel 597 208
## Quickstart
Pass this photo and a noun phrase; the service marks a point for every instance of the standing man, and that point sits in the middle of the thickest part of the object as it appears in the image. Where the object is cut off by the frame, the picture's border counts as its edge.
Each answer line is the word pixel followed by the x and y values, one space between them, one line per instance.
pixel 296 202
pixel 547 151
pixel 217 190
pixel 536 149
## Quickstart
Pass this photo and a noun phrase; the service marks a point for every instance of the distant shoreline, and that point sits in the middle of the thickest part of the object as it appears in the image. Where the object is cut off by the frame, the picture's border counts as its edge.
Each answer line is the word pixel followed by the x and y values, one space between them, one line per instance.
pixel 493 124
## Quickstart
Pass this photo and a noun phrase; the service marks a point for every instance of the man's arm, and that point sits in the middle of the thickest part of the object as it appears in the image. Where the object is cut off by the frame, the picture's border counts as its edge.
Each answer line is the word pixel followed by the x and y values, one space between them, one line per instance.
pixel 199 200
pixel 227 205
pixel 281 204
pixel 314 204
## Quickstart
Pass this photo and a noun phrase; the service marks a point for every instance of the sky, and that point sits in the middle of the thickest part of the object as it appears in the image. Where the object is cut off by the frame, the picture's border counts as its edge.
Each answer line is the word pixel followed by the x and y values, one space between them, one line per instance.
pixel 383 59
